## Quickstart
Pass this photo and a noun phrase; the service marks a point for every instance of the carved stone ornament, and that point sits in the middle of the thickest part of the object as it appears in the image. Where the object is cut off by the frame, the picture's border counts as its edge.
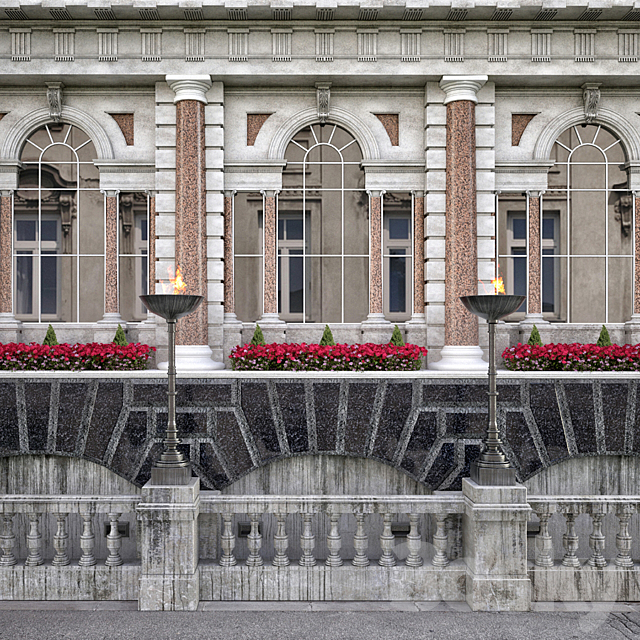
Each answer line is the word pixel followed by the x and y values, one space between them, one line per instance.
pixel 323 94
pixel 591 98
pixel 54 98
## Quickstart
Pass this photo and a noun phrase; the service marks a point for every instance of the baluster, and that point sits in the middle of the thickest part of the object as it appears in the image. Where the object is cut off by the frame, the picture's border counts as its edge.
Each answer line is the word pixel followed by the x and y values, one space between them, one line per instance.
pixel 440 539
pixel 623 539
pixel 114 542
pixel 387 558
pixel 334 542
pixel 60 542
pixel 34 542
pixel 360 543
pixel 7 541
pixel 596 541
pixel 307 542
pixel 544 542
pixel 228 542
pixel 414 542
pixel 87 542
pixel 281 542
pixel 254 542
pixel 570 542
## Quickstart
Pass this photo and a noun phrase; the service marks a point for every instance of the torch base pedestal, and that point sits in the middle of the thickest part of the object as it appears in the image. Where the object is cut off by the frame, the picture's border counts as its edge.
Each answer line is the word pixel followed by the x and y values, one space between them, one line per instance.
pixel 170 475
pixel 492 476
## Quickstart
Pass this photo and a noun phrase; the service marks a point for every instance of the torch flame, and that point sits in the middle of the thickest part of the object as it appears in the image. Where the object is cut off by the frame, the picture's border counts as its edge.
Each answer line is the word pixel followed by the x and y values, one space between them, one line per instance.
pixel 177 285
pixel 498 285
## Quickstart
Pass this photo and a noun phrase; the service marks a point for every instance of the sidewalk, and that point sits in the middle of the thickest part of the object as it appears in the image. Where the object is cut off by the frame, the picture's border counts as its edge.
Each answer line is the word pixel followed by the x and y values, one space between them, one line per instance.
pixel 317 621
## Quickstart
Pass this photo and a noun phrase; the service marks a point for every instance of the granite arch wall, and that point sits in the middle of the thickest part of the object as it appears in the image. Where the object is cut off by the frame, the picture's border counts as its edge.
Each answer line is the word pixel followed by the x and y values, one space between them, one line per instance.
pixel 426 428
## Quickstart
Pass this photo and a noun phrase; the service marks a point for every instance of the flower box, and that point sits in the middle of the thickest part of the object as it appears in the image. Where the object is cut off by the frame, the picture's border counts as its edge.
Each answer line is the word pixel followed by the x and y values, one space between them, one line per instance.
pixel 93 356
pixel 338 357
pixel 572 357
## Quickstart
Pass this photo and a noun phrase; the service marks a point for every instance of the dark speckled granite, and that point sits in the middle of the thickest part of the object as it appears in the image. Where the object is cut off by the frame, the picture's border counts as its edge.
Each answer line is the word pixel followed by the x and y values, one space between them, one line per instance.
pixel 580 401
pixel 232 426
pixel 37 399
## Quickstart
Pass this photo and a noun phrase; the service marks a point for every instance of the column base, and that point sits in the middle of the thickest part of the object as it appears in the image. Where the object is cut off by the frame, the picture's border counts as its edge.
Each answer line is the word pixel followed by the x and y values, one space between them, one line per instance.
pixel 416 330
pixel 193 357
pixel 10 328
pixel 461 359
pixel 104 330
pixel 273 329
pixel 376 329
pixel 231 335
pixel 632 329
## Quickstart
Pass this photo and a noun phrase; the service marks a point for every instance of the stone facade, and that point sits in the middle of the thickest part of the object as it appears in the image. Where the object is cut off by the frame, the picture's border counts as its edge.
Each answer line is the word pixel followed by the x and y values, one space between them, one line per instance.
pixel 405 83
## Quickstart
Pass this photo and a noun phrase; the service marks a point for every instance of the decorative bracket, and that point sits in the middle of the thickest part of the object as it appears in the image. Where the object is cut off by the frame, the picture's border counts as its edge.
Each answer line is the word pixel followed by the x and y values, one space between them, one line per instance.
pixel 591 98
pixel 323 96
pixel 54 98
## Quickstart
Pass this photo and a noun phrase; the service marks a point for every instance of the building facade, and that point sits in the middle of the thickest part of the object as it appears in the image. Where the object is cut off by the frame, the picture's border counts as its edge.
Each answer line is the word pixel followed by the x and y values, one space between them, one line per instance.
pixel 357 165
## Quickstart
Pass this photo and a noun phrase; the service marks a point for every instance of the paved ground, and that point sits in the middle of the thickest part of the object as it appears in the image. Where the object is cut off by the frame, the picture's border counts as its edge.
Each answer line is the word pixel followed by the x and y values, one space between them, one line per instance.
pixel 316 621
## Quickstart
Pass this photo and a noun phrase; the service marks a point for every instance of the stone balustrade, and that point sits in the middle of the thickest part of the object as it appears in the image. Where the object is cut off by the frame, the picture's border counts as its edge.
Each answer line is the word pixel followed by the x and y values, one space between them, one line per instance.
pixel 78 566
pixel 592 563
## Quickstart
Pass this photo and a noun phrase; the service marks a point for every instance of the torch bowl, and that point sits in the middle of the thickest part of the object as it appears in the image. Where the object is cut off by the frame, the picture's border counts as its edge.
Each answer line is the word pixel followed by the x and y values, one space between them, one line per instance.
pixel 171 307
pixel 492 308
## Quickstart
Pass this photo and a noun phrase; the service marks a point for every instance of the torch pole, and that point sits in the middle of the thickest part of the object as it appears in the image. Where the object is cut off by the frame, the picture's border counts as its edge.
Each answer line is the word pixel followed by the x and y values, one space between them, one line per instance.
pixel 171 468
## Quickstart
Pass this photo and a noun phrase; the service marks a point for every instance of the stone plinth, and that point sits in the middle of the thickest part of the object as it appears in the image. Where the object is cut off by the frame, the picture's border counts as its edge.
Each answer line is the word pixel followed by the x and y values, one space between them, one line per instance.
pixel 495 547
pixel 169 578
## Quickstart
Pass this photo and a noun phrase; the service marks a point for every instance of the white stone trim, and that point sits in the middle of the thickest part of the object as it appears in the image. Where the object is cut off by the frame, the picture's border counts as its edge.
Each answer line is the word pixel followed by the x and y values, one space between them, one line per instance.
pixel 620 125
pixel 190 87
pixel 25 126
pixel 462 87
pixel 348 120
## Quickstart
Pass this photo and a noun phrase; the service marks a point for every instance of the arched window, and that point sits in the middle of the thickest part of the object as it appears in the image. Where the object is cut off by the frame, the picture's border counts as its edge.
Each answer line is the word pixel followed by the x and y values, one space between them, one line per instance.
pixel 58 229
pixel 586 235
pixel 323 229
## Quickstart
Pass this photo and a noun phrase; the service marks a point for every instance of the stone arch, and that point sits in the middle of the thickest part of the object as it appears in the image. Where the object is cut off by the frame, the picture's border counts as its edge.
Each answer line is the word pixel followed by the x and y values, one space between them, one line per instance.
pixel 354 125
pixel 607 118
pixel 323 474
pixel 28 124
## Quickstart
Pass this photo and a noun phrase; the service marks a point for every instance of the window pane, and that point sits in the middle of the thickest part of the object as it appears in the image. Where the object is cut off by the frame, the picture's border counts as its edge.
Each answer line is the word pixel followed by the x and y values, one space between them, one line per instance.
pixel 295 284
pixel 548 228
pixel 356 289
pixel 397 284
pixel 520 276
pixel 26 230
pixel 587 289
pixel 519 228
pixel 549 274
pixel 91 289
pixel 247 224
pixel 620 289
pixel 49 230
pixel 399 228
pixel 24 285
pixel 90 221
pixel 49 285
pixel 248 288
pixel 588 210
pixel 356 215
pixel 294 228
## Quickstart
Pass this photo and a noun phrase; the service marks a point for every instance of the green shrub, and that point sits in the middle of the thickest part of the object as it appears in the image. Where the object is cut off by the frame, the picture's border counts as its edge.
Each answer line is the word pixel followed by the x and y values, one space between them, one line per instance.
pixel 604 340
pixel 327 337
pixel 396 338
pixel 258 338
pixel 120 339
pixel 50 339
pixel 534 338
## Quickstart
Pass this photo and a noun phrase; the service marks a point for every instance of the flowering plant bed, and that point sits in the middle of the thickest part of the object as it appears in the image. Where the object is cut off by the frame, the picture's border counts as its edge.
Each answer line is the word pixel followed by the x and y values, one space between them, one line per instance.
pixel 93 356
pixel 572 357
pixel 338 357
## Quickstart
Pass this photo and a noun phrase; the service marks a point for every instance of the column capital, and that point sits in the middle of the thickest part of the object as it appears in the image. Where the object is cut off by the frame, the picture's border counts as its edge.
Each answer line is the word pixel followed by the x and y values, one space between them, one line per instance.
pixel 375 193
pixel 6 193
pixel 535 193
pixel 418 194
pixel 110 193
pixel 462 87
pixel 269 193
pixel 190 87
pixel 229 193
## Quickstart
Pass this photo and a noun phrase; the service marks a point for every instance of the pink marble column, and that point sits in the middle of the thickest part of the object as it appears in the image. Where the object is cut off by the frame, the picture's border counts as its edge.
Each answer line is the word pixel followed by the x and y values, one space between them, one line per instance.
pixel 461 350
pixel 191 211
pixel 270 304
pixel 152 244
pixel 534 297
pixel 229 295
pixel 111 293
pixel 376 312
pixel 418 254
pixel 6 260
